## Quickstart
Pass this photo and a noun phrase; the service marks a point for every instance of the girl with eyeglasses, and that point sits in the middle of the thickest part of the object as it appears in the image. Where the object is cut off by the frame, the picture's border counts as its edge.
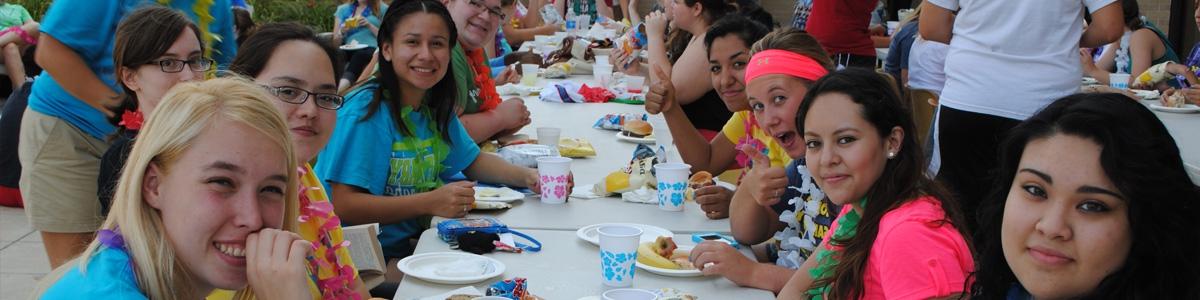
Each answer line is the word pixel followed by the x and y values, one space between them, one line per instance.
pixel 65 130
pixel 290 62
pixel 157 48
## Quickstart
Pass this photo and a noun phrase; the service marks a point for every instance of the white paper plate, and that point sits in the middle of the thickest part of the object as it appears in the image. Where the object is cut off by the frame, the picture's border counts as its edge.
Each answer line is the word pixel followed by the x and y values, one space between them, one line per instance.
pixel 505 194
pixel 352 46
pixel 642 140
pixel 671 272
pixel 449 267
pixel 1090 81
pixel 1186 109
pixel 649 232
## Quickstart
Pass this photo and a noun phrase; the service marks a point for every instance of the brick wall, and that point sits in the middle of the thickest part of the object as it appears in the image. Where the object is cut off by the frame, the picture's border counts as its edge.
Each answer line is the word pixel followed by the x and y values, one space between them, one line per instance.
pixel 1157 11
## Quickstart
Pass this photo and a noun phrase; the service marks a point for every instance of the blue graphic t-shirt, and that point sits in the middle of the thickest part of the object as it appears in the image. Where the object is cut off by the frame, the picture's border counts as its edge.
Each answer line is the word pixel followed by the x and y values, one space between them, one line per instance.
pixel 89 28
pixel 374 155
pixel 109 276
pixel 807 213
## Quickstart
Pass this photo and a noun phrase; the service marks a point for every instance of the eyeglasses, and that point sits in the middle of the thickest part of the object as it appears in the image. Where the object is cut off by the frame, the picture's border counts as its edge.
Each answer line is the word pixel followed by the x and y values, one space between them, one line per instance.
pixel 168 65
pixel 495 11
pixel 295 95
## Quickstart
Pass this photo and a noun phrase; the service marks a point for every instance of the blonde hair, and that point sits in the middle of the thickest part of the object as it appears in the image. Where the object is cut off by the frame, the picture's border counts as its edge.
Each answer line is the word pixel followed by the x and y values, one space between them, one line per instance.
pixel 185 112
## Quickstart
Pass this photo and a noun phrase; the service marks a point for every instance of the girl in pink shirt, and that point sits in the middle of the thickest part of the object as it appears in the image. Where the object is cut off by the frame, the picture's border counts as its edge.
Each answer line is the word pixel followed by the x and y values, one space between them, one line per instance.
pixel 898 235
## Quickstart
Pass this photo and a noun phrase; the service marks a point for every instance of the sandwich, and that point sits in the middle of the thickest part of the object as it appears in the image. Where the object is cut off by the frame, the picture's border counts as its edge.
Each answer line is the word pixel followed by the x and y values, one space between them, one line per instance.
pixel 1175 100
pixel 636 129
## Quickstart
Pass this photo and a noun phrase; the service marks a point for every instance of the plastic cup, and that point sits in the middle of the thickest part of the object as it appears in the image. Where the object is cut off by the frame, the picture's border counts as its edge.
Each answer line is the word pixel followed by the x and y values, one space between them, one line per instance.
pixel 634 84
pixel 603 73
pixel 618 252
pixel 548 136
pixel 529 74
pixel 553 175
pixel 892 26
pixel 1118 81
pixel 602 59
pixel 672 181
pixel 628 294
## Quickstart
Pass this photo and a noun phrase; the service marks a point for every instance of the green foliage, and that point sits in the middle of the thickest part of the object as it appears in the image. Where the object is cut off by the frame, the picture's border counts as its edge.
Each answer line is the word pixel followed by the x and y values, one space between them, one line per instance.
pixel 317 14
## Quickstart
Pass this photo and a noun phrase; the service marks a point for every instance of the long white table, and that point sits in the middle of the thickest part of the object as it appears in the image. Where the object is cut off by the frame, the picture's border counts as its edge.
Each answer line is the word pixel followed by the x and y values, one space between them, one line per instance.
pixel 569 268
pixel 576 120
pixel 1185 128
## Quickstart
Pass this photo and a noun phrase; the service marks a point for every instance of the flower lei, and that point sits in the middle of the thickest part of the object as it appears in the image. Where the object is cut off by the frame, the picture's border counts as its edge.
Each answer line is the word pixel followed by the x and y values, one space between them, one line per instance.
pixel 204 17
pixel 743 160
pixel 826 260
pixel 337 286
pixel 131 120
pixel 488 96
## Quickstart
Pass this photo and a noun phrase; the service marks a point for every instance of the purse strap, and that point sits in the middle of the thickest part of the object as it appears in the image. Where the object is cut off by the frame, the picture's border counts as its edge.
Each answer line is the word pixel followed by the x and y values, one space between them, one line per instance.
pixel 537 246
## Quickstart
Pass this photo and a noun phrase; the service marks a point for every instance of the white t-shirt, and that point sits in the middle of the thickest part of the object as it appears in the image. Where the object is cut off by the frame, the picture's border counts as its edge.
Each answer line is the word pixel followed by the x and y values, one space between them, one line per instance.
pixel 926 65
pixel 1011 58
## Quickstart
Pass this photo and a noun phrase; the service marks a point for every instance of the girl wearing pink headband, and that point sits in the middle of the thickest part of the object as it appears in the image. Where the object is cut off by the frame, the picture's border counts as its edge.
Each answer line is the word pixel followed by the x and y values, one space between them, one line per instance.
pixel 761 209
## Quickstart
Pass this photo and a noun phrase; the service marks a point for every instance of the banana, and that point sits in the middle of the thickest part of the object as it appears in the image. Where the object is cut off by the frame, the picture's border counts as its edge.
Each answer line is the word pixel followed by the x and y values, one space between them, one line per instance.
pixel 647 255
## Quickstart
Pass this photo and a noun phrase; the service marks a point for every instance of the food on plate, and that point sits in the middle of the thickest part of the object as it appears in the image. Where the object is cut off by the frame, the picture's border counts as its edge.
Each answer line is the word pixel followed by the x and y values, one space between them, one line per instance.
pixel 462 297
pixel 664 254
pixel 1153 75
pixel 1177 100
pixel 515 139
pixel 636 128
pixel 489 205
pixel 487 192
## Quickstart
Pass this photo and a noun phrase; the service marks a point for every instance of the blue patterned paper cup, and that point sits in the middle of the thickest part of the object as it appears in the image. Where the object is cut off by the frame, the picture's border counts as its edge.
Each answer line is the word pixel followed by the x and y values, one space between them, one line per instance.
pixel 618 252
pixel 672 182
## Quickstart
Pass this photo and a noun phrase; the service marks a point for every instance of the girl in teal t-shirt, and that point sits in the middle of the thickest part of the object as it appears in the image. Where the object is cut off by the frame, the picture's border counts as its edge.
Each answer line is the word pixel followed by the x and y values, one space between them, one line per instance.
pixel 398 136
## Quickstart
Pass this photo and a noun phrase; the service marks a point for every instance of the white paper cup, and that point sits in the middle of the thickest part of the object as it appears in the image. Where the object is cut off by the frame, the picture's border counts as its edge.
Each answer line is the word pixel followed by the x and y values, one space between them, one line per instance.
pixel 672 181
pixel 618 252
pixel 892 26
pixel 628 294
pixel 635 84
pixel 529 74
pixel 553 175
pixel 603 72
pixel 1118 81
pixel 548 136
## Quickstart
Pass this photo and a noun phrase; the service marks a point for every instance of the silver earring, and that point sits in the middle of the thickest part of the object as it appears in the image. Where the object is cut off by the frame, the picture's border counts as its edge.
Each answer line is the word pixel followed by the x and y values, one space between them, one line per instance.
pixel 891 155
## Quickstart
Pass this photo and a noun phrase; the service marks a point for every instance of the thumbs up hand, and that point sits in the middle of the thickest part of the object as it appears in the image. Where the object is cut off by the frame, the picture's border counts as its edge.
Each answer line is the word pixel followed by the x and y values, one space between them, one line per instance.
pixel 765 183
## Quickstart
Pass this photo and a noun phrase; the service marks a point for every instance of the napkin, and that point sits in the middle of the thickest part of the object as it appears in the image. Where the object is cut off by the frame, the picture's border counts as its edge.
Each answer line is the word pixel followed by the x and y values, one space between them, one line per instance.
pixel 642 195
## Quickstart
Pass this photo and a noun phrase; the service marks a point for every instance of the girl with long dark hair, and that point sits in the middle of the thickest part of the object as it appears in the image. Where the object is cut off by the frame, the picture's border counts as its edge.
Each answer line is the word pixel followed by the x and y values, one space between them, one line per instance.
pixel 900 234
pixel 1092 202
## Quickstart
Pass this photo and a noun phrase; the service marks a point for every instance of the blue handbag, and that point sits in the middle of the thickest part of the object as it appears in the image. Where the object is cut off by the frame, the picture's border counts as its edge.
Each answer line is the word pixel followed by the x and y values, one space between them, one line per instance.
pixel 450 230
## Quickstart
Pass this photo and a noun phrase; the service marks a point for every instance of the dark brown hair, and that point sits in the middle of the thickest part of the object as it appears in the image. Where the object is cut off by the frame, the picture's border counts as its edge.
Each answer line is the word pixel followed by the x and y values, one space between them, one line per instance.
pixel 903 178
pixel 144 36
pixel 442 97
pixel 243 24
pixel 258 48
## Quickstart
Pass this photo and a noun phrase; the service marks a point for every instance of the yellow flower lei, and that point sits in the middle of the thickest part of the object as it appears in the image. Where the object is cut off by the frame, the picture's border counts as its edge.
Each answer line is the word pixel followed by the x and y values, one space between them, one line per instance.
pixel 203 11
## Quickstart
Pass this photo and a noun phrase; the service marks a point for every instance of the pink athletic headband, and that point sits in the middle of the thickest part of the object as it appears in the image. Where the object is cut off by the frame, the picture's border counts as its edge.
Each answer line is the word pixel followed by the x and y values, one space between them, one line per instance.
pixel 783 62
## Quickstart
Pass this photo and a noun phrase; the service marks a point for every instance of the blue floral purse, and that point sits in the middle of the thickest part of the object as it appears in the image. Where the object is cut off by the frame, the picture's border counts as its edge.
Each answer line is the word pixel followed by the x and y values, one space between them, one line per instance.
pixel 450 230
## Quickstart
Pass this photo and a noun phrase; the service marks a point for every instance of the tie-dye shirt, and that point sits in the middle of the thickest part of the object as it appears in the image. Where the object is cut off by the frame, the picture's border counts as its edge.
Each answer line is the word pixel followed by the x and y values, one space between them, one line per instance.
pixel 373 154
